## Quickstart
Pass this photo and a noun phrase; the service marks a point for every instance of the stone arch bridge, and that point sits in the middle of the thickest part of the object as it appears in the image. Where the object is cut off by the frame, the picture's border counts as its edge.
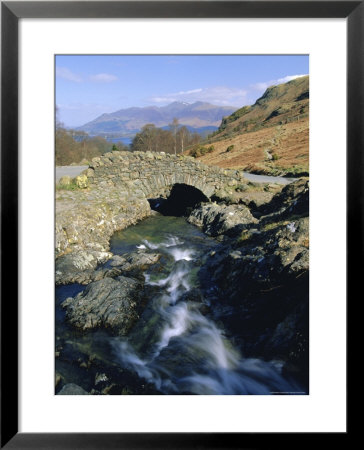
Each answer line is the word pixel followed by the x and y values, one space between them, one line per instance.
pixel 152 174
pixel 116 194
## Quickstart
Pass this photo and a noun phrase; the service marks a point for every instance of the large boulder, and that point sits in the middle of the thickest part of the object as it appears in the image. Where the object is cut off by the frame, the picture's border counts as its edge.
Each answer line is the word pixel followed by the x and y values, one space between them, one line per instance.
pixel 108 303
pixel 217 219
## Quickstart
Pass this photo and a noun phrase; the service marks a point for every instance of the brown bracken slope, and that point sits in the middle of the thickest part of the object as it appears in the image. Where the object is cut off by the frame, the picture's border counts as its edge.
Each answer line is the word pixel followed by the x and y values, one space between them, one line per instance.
pixel 269 137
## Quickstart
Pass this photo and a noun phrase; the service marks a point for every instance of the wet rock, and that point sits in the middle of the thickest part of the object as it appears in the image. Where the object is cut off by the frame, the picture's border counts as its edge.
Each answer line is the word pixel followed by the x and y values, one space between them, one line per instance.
pixel 99 274
pixel 135 260
pixel 217 219
pixel 192 295
pixel 79 267
pixel 117 260
pixel 107 303
pixel 72 389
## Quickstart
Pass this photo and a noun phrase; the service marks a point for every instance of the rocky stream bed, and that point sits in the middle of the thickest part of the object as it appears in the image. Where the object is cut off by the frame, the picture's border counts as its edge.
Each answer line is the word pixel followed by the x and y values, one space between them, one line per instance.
pixel 212 302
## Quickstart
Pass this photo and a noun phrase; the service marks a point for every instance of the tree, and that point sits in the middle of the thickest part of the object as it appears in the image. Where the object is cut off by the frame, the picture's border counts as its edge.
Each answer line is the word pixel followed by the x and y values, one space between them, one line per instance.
pixel 175 140
pixel 183 136
pixel 145 140
pixel 165 141
pixel 174 127
pixel 195 139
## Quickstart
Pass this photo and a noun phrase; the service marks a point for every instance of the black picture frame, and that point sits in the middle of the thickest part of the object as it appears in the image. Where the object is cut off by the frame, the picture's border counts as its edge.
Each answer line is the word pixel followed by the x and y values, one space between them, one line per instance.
pixel 11 12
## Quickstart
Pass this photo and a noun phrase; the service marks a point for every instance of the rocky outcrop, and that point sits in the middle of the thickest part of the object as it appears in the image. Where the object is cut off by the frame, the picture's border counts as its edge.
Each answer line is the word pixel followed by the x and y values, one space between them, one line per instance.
pixel 260 290
pixel 217 219
pixel 260 258
pixel 108 303
pixel 292 200
pixel 79 267
pixel 254 195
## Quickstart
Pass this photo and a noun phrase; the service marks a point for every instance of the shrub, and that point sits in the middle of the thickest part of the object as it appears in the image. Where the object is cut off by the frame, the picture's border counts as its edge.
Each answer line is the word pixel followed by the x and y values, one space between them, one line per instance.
pixel 199 150
pixel 230 148
pixel 72 186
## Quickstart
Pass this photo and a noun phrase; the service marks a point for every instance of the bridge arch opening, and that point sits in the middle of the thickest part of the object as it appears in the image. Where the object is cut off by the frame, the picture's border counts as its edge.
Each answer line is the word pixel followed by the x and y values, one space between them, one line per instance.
pixel 180 202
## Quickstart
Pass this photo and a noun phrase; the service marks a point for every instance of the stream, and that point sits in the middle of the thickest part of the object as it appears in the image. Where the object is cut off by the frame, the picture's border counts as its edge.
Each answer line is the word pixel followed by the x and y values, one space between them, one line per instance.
pixel 176 346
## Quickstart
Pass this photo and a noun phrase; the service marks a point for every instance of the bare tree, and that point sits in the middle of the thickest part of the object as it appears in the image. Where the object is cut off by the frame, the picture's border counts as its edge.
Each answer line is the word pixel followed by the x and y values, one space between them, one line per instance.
pixel 174 127
pixel 183 136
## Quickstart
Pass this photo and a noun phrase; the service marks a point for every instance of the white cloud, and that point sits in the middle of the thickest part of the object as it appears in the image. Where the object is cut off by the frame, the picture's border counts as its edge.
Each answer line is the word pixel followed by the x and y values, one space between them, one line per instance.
pixel 192 91
pixel 103 78
pixel 267 84
pixel 220 95
pixel 63 72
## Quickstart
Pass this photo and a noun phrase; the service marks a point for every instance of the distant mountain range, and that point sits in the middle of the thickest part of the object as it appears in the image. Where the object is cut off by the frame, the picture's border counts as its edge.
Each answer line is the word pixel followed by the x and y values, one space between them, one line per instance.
pixel 198 116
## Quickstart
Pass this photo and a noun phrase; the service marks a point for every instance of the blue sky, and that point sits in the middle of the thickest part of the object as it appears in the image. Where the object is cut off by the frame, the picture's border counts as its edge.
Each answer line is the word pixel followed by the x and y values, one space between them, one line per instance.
pixel 88 85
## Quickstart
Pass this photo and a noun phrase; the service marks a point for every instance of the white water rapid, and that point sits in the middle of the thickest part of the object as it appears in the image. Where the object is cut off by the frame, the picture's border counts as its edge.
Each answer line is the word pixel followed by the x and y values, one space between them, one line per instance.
pixel 191 355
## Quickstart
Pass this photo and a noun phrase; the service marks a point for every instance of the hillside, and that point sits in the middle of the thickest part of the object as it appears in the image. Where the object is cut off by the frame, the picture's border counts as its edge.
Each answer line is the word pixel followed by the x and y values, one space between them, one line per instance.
pixel 129 121
pixel 269 137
